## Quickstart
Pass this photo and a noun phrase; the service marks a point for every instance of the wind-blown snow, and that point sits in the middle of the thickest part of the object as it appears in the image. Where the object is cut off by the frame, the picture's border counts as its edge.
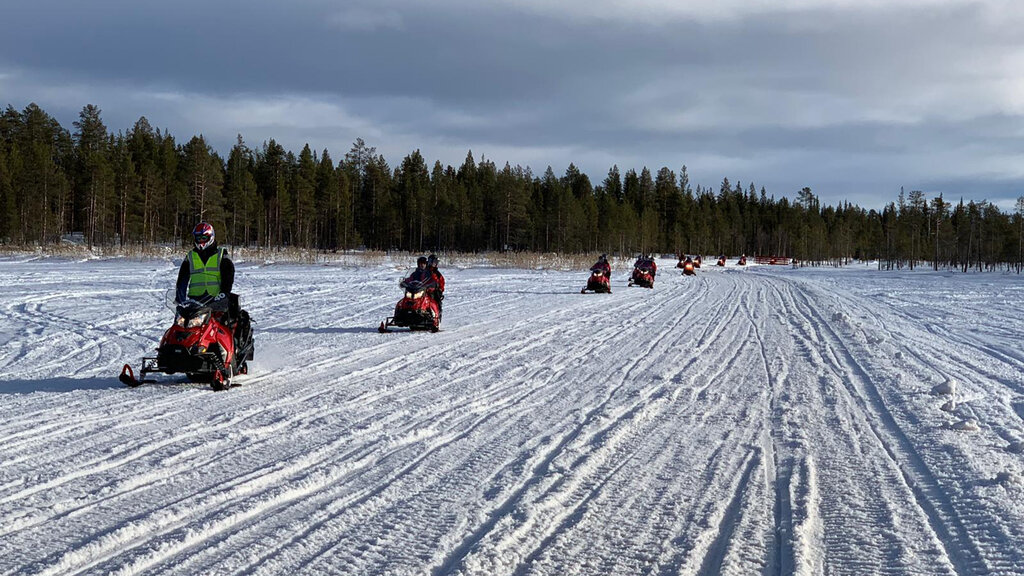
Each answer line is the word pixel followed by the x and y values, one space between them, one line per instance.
pixel 743 421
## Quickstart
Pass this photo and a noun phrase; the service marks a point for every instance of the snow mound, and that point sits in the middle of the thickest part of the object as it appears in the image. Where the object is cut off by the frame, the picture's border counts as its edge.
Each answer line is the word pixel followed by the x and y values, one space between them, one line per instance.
pixel 966 425
pixel 947 388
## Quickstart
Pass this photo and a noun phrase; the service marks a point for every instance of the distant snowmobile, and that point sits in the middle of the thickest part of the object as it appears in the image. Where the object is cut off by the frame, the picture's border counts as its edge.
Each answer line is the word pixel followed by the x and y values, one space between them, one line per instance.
pixel 721 261
pixel 202 344
pixel 696 261
pixel 743 261
pixel 417 310
pixel 598 282
pixel 689 269
pixel 643 273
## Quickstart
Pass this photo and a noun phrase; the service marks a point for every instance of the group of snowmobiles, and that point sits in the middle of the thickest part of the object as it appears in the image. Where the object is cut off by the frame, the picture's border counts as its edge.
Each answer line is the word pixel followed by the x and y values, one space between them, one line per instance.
pixel 599 282
pixel 644 271
pixel 211 337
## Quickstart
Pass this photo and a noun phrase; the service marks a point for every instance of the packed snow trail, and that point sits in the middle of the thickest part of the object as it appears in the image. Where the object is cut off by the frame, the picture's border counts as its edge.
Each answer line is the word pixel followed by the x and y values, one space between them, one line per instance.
pixel 755 421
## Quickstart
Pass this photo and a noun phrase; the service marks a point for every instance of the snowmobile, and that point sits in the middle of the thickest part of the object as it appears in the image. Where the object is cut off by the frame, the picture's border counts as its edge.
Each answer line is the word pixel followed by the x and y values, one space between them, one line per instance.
pixel 721 261
pixel 689 268
pixel 202 343
pixel 696 261
pixel 417 310
pixel 643 275
pixel 742 261
pixel 598 282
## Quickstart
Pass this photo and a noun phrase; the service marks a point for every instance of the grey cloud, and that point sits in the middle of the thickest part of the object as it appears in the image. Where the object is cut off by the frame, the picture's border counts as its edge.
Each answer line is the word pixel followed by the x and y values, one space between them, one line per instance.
pixel 858 98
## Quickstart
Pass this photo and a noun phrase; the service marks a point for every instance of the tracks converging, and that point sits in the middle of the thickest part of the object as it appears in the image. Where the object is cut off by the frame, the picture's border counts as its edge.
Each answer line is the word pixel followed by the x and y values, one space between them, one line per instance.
pixel 729 423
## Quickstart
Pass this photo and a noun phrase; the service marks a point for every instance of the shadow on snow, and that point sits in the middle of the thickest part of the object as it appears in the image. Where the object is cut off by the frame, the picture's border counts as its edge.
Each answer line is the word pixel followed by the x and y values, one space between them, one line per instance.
pixel 306 330
pixel 58 385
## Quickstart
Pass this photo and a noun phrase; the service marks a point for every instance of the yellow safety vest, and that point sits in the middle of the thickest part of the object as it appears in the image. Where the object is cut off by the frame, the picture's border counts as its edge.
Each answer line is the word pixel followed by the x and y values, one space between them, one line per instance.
pixel 204 277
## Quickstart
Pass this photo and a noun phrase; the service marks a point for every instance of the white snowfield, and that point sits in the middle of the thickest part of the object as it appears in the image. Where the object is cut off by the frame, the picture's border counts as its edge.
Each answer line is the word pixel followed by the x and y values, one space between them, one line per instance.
pixel 744 421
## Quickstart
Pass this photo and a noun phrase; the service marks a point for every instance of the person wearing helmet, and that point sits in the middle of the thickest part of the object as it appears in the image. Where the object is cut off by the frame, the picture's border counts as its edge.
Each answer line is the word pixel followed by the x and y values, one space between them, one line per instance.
pixel 438 278
pixel 646 262
pixel 206 271
pixel 603 265
pixel 420 274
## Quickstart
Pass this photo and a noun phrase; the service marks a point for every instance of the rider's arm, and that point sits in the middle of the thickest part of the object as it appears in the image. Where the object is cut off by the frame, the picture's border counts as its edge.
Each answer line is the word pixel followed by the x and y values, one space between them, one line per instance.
pixel 227 275
pixel 181 287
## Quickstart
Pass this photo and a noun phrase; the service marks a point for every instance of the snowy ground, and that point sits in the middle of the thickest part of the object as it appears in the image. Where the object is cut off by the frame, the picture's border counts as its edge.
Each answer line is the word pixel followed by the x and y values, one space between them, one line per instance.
pixel 744 421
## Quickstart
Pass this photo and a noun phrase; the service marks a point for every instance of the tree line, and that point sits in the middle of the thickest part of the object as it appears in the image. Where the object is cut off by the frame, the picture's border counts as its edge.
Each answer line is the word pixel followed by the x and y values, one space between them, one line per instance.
pixel 143 187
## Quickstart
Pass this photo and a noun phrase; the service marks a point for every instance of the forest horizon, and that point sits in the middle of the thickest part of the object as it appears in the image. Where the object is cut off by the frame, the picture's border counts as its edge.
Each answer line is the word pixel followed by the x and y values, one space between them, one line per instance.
pixel 141 186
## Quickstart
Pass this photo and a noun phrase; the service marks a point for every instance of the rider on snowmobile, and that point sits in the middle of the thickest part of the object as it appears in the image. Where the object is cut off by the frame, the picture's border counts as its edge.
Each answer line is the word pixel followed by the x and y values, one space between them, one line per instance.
pixel 208 272
pixel 438 278
pixel 645 262
pixel 603 265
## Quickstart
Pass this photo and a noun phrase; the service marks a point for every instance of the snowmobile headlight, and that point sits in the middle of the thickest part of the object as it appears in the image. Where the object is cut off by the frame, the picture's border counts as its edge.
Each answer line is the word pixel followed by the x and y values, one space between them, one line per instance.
pixel 198 320
pixel 413 295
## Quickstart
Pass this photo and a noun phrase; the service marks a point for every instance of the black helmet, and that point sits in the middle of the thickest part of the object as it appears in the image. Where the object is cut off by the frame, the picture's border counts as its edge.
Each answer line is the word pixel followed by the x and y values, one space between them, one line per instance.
pixel 432 261
pixel 421 261
pixel 602 258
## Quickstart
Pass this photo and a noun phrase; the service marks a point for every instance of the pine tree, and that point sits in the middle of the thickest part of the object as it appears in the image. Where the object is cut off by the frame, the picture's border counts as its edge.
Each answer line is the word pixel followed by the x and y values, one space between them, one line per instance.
pixel 94 177
pixel 242 204
pixel 126 187
pixel 142 148
pixel 204 176
pixel 305 186
pixel 327 200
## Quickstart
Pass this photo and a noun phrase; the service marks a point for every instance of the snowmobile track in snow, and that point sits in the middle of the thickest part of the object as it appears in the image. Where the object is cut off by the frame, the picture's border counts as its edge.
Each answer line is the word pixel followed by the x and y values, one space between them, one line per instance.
pixel 755 421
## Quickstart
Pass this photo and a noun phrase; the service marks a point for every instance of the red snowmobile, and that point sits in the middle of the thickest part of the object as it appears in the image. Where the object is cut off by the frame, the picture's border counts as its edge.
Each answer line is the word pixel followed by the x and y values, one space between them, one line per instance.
pixel 598 282
pixel 417 310
pixel 721 260
pixel 742 261
pixel 202 343
pixel 643 274
pixel 689 268
pixel 696 261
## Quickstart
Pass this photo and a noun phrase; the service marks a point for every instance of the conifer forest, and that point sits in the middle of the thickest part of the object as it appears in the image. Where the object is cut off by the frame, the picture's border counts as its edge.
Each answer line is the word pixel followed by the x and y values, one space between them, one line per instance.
pixel 143 186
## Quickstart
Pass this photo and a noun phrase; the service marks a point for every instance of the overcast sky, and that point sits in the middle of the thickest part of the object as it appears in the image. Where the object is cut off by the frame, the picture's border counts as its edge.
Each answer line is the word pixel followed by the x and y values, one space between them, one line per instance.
pixel 853 98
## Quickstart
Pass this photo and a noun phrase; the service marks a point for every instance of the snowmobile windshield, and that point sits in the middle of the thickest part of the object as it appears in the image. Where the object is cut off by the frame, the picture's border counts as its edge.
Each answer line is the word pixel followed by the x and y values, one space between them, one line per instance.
pixel 192 314
pixel 416 288
pixel 205 300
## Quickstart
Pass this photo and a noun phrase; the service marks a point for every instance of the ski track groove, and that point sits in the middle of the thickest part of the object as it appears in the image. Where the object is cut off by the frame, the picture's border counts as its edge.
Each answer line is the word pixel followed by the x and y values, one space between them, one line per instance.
pixel 934 503
pixel 456 557
pixel 553 493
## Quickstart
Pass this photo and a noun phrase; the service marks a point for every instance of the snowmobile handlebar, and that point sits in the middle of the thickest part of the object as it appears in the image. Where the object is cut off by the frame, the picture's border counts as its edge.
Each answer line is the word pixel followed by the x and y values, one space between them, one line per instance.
pixel 416 285
pixel 215 303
